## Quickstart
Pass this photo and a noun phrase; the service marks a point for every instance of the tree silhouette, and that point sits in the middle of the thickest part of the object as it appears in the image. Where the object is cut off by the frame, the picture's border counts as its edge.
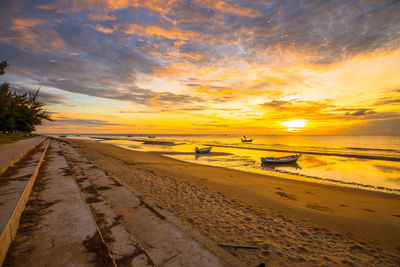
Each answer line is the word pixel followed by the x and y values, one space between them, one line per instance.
pixel 20 113
pixel 3 66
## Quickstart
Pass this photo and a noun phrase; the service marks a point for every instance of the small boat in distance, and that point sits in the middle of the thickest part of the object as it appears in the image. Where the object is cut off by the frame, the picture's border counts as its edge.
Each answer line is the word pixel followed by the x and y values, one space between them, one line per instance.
pixel 291 158
pixel 203 150
pixel 245 140
pixel 151 136
pixel 62 136
pixel 129 135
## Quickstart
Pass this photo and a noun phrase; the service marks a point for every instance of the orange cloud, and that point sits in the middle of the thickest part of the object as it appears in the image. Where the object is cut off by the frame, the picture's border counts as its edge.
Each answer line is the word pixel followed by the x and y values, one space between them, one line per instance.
pixel 171 33
pixel 28 22
pixel 230 8
pixel 104 30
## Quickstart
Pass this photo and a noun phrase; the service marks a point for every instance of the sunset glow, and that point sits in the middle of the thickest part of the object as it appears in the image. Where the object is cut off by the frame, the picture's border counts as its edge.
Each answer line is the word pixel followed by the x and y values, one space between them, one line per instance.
pixel 208 67
pixel 294 125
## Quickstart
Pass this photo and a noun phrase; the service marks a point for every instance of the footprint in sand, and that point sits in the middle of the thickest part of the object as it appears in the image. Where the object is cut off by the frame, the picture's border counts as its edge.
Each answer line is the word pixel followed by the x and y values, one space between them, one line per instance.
pixel 287 196
pixel 343 205
pixel 315 206
pixel 396 215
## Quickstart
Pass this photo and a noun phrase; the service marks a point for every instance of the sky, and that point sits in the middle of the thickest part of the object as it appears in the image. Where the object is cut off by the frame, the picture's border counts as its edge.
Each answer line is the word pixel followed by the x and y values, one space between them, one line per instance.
pixel 204 67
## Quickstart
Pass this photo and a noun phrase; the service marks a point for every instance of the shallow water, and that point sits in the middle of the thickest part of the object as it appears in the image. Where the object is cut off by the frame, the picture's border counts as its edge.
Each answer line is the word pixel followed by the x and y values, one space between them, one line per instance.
pixel 369 162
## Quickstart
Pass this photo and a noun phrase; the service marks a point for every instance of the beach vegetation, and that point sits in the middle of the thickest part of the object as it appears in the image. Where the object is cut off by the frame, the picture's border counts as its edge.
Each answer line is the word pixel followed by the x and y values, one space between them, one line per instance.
pixel 20 113
pixel 4 138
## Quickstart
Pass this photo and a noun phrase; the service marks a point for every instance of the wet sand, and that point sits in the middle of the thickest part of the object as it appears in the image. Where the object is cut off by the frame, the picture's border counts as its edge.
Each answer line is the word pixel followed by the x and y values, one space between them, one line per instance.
pixel 259 218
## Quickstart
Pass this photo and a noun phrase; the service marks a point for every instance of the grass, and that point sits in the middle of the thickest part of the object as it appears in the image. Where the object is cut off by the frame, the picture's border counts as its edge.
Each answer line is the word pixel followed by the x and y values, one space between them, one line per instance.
pixel 4 139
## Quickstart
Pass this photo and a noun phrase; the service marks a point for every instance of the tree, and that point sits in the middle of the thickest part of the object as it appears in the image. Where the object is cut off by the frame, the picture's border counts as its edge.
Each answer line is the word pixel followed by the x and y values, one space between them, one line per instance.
pixel 20 113
pixel 3 66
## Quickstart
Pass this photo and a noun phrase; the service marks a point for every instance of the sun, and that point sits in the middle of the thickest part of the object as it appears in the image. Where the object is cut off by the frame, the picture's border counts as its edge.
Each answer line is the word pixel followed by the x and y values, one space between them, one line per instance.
pixel 294 125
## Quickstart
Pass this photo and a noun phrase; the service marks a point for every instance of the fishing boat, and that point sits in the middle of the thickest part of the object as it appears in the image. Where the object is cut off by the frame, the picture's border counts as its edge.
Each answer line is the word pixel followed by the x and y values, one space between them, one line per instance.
pixel 152 136
pixel 203 150
pixel 291 158
pixel 246 140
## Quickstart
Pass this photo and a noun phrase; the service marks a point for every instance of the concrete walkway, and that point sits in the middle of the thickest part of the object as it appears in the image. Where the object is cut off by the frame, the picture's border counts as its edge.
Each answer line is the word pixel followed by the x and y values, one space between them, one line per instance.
pixel 137 232
pixel 13 183
pixel 12 152
pixel 56 228
pixel 15 187
pixel 77 215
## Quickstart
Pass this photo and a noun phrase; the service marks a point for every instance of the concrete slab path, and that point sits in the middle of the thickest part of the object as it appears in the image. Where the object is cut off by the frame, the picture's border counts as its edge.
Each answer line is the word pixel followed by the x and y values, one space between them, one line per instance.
pixel 123 216
pixel 13 183
pixel 12 152
pixel 56 228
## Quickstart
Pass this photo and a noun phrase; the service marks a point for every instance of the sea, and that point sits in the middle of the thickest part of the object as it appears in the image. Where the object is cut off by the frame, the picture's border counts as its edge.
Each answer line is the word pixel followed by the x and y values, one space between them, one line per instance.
pixel 363 162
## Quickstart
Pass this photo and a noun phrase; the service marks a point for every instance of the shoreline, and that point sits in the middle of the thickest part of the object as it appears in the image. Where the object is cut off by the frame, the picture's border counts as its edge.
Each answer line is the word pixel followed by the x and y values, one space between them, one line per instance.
pixel 216 201
pixel 279 173
pixel 345 155
pixel 298 176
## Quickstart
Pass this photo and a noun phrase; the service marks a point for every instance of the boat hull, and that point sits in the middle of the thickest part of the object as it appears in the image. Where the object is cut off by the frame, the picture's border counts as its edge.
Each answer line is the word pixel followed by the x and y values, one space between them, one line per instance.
pixel 203 150
pixel 287 159
pixel 247 141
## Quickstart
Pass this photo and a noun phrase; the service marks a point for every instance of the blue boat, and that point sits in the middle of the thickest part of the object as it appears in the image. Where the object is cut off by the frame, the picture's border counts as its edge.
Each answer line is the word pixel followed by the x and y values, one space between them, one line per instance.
pixel 203 150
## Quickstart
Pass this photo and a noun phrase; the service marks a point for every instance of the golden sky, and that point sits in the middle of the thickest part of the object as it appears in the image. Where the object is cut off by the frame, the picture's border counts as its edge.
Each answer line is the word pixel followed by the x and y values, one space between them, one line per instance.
pixel 240 67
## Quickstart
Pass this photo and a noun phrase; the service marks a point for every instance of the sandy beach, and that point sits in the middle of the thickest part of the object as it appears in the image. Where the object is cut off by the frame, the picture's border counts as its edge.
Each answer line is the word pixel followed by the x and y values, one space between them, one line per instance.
pixel 259 218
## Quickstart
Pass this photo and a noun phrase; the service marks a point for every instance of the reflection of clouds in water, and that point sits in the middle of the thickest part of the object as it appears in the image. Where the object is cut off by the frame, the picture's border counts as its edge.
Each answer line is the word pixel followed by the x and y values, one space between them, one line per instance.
pixel 387 169
pixel 311 161
pixel 226 161
pixel 393 180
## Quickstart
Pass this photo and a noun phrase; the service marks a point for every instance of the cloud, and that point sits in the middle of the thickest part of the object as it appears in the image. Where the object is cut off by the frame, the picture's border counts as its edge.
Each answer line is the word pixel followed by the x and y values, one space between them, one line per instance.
pixel 332 31
pixel 88 123
pixel 297 105
pixel 360 112
pixel 276 104
pixel 388 101
pixel 377 127
pixel 49 98
pixel 133 111
pixel 131 93
pixel 211 125
pixel 215 52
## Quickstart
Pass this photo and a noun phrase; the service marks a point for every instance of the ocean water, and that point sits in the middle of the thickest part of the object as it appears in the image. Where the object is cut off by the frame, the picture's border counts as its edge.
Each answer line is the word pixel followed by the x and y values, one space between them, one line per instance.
pixel 366 162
